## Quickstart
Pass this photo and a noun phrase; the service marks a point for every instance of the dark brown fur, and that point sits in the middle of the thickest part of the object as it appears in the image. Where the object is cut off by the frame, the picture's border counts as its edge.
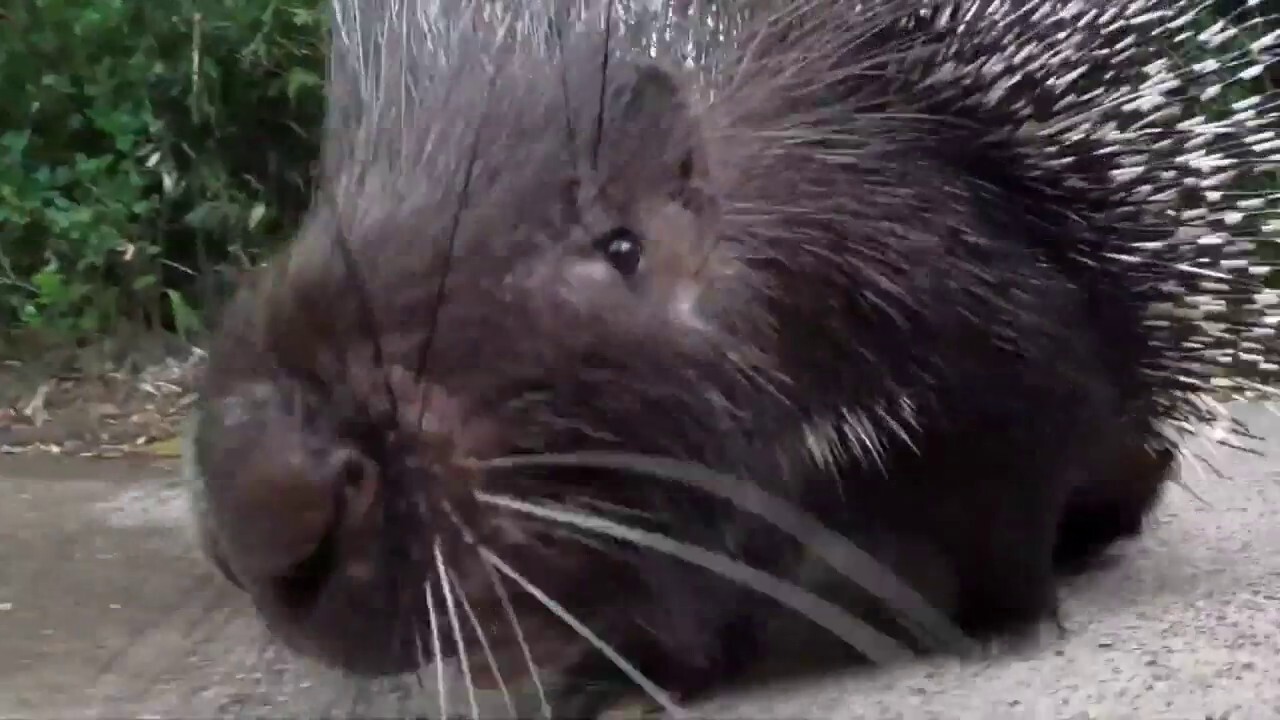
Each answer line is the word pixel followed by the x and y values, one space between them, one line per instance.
pixel 339 443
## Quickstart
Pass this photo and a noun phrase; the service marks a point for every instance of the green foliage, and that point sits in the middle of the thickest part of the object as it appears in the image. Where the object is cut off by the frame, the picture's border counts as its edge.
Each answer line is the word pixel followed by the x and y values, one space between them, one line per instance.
pixel 146 146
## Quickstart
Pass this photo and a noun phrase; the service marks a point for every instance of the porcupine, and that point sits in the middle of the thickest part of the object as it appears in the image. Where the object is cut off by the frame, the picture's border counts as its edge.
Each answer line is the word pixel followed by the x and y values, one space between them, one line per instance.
pixel 563 311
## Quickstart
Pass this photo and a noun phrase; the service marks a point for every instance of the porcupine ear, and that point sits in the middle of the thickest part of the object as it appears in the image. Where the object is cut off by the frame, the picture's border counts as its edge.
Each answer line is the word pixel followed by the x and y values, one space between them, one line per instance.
pixel 653 89
pixel 658 102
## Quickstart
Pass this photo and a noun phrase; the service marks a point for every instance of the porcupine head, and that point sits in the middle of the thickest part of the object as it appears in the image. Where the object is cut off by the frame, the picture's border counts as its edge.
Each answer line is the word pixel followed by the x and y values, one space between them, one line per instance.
pixel 526 261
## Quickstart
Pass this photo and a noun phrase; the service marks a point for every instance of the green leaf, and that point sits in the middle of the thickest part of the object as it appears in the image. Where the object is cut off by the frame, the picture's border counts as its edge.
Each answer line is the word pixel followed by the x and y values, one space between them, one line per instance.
pixel 299 79
pixel 185 320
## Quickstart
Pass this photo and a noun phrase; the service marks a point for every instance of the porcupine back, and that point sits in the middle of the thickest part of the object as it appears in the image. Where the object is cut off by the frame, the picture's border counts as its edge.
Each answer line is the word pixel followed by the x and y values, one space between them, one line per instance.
pixel 1091 117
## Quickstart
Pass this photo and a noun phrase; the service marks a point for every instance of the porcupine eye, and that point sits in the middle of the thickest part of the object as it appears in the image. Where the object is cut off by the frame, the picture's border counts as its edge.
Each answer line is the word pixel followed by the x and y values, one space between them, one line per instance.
pixel 622 249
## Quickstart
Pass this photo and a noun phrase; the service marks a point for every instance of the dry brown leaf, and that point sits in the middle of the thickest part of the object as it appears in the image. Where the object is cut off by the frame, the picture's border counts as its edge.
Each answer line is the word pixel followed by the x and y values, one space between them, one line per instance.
pixel 35 408
pixel 166 448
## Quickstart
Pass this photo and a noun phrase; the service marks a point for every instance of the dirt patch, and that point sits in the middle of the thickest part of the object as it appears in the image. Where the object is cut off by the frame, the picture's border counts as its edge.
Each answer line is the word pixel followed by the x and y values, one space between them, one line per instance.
pixel 98 401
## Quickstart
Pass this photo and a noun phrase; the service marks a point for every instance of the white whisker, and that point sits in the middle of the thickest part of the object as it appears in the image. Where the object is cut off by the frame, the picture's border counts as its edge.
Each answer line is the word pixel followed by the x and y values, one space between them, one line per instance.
pixel 509 609
pixel 436 654
pixel 443 573
pixel 851 561
pixel 658 694
pixel 484 642
pixel 874 645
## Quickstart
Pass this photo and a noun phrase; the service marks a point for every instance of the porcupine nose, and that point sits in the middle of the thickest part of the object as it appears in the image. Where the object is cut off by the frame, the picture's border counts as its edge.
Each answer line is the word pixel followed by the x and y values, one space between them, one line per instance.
pixel 289 517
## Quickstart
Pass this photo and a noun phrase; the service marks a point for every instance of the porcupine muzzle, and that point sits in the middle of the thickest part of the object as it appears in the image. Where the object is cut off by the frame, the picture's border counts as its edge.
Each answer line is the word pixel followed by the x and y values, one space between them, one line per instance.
pixel 300 524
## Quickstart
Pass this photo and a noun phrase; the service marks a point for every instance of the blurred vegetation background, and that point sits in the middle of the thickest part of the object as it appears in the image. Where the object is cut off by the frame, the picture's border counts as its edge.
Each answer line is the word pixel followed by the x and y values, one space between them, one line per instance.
pixel 146 150
pixel 149 151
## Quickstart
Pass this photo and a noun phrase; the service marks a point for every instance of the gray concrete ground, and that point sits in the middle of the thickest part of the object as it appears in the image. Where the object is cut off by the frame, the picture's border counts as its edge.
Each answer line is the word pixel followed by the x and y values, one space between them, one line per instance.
pixel 105 612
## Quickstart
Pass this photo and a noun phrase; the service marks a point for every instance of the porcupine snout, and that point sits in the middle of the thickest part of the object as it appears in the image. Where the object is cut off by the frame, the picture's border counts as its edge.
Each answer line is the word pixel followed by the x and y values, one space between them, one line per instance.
pixel 287 517
pixel 295 516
